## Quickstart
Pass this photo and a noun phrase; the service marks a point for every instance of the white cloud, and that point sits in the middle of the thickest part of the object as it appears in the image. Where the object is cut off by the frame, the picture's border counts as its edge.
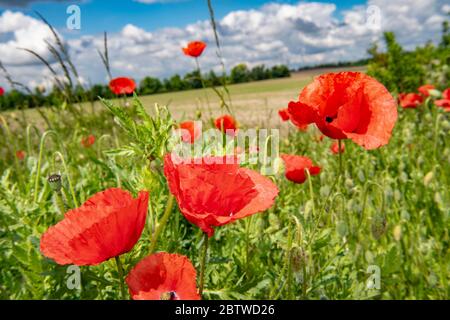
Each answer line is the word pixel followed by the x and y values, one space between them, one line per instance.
pixel 302 34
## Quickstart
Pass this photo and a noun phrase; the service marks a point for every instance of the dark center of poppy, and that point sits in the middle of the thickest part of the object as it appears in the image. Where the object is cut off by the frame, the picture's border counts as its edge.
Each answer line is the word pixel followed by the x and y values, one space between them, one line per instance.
pixel 329 119
pixel 171 295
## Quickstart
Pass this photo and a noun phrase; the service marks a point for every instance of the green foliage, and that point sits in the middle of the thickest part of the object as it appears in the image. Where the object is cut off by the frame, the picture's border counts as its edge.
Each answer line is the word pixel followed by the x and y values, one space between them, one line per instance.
pixel 149 136
pixel 402 71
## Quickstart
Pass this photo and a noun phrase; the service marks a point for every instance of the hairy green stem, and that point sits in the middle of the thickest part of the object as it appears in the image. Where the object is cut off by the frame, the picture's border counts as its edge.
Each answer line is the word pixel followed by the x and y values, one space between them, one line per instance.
pixel 203 263
pixel 311 193
pixel 340 158
pixel 60 202
pixel 72 190
pixel 121 279
pixel 38 171
pixel 162 223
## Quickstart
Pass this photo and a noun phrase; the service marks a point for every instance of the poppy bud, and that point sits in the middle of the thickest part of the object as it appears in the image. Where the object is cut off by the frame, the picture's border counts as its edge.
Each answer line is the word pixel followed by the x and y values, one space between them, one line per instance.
pixel 342 229
pixel 378 226
pixel 298 259
pixel 445 125
pixel 55 182
pixel 405 215
pixel 349 183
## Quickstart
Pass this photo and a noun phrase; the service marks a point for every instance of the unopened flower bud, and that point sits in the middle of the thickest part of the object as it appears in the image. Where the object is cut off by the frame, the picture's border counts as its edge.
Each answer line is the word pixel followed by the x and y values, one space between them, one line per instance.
pixel 298 258
pixel 55 182
pixel 378 226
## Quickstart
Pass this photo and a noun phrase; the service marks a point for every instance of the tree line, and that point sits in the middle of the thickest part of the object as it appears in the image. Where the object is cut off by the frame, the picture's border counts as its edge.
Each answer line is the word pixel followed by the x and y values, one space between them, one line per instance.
pixel 147 86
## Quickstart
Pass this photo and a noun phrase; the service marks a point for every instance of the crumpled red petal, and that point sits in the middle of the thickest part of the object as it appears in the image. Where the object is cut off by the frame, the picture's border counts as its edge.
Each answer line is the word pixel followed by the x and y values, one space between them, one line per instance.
pixel 105 226
pixel 212 194
pixel 295 167
pixel 159 274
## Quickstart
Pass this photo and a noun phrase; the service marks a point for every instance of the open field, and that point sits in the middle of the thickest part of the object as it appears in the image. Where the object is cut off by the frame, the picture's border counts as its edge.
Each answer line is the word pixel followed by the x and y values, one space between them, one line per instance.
pixel 254 103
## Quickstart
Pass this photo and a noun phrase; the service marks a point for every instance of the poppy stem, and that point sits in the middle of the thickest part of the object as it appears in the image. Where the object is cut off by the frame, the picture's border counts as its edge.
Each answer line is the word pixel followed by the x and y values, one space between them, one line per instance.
pixel 311 193
pixel 121 280
pixel 60 203
pixel 203 263
pixel 340 158
pixel 162 223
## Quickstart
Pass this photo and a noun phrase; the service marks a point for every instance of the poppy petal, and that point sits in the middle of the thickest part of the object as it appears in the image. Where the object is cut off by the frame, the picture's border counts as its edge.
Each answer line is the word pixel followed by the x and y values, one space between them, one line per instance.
pixel 212 192
pixel 105 226
pixel 160 274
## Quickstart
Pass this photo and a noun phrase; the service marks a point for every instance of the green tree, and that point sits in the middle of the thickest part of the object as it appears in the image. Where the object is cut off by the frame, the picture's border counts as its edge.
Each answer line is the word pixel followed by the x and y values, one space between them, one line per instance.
pixel 240 74
pixel 259 73
pixel 150 85
pixel 175 83
pixel 193 80
pixel 280 71
pixel 213 80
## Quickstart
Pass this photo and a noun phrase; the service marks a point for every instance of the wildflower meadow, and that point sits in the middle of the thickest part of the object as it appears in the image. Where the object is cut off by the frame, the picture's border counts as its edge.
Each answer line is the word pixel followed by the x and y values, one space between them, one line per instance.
pixel 181 189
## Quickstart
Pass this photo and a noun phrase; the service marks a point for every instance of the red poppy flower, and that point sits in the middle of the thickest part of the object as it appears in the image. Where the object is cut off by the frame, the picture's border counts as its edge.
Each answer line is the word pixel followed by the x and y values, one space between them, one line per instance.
pixel 122 85
pixel 226 123
pixel 425 89
pixel 410 100
pixel 335 147
pixel 88 141
pixel 295 167
pixel 191 132
pixel 444 103
pixel 163 276
pixel 347 105
pixel 214 191
pixel 284 114
pixel 20 154
pixel 105 226
pixel 194 49
pixel 2 91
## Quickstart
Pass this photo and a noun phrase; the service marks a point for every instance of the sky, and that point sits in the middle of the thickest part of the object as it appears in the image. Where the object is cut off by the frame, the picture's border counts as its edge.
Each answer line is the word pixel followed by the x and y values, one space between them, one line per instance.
pixel 146 36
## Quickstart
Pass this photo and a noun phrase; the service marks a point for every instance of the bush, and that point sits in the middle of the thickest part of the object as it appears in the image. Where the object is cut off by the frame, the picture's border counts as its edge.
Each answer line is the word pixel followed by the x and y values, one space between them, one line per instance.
pixel 402 71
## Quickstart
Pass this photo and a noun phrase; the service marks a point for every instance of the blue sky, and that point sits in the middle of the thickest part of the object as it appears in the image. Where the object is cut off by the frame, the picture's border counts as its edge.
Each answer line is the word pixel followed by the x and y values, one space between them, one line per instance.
pixel 112 15
pixel 146 39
